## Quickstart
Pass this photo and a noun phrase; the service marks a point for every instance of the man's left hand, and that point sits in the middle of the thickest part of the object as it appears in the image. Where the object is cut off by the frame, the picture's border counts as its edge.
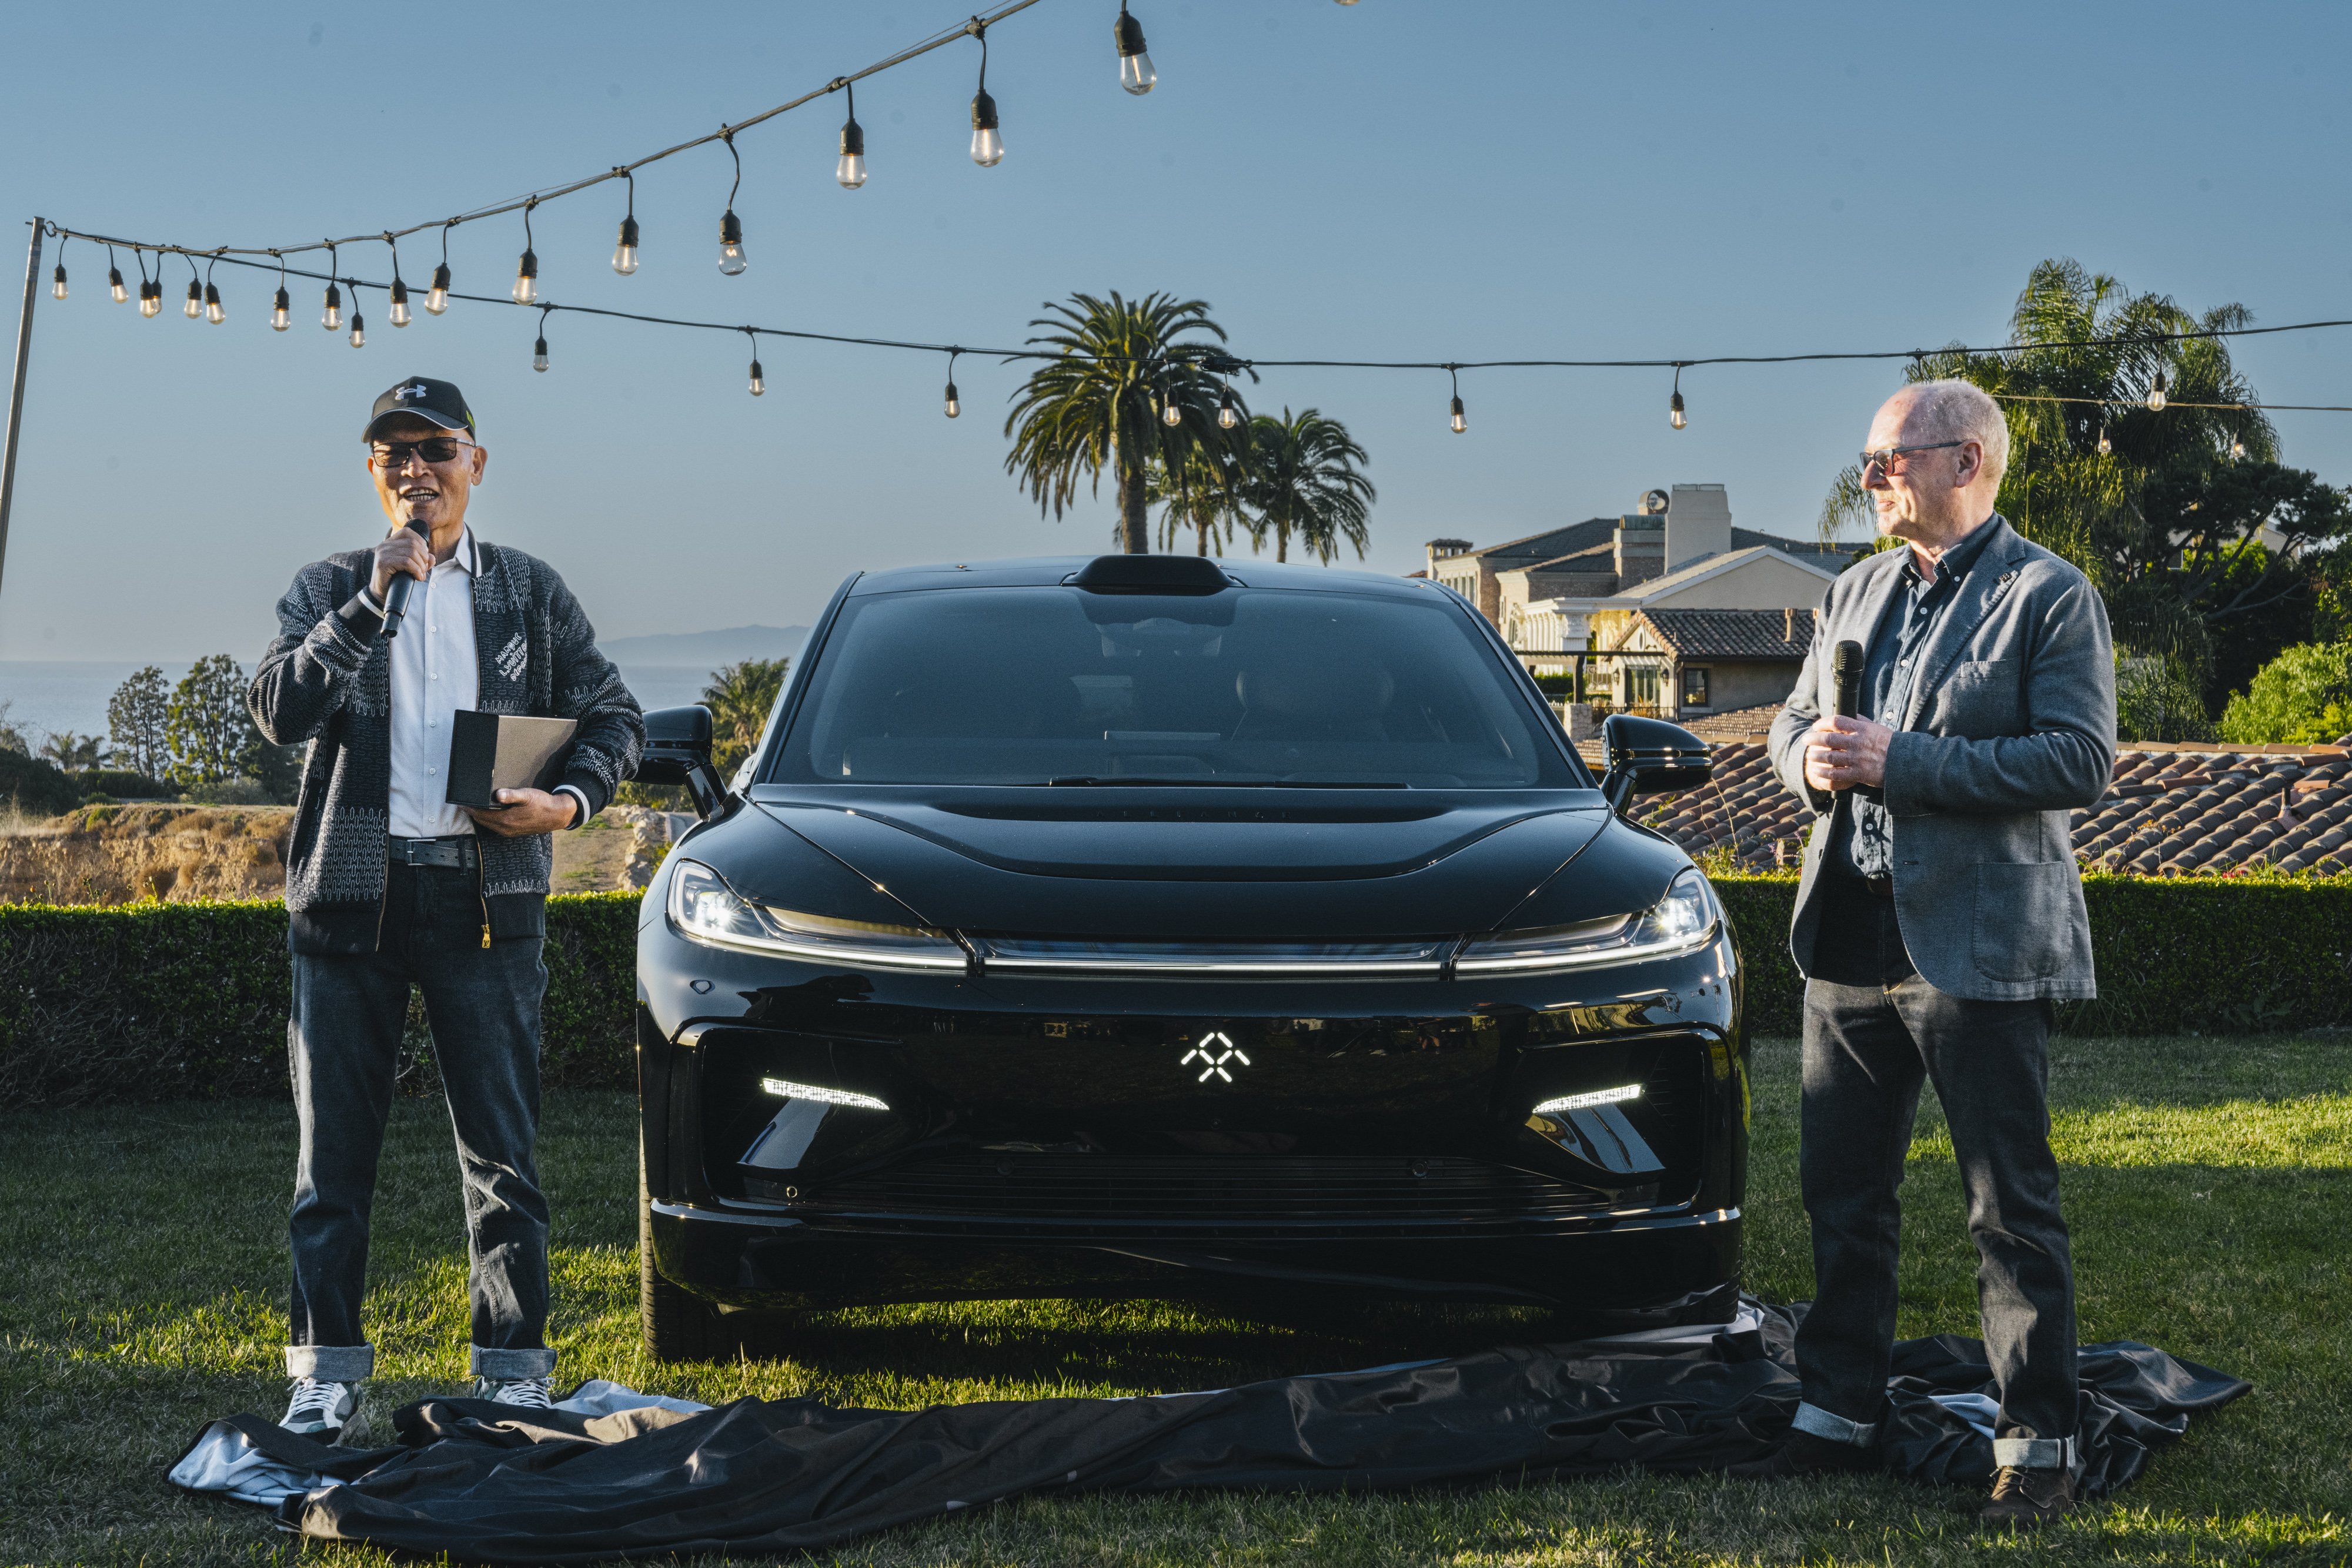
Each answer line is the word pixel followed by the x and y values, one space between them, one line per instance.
pixel 529 811
pixel 1847 751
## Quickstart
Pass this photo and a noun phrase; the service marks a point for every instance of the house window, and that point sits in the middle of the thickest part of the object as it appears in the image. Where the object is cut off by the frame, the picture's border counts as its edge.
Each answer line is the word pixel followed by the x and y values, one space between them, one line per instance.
pixel 1643 682
pixel 1693 688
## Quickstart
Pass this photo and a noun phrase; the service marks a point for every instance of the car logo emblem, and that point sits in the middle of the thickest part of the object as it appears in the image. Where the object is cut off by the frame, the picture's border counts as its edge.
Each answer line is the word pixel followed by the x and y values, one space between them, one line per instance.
pixel 1214 1051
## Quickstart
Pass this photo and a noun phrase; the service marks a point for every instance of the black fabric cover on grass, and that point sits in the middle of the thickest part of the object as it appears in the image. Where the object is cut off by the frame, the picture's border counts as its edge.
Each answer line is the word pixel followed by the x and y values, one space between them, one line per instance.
pixel 483 1482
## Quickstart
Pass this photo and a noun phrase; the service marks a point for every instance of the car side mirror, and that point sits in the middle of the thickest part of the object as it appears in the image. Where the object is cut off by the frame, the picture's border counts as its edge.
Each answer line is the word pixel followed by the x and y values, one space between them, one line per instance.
pixel 677 751
pixel 1650 756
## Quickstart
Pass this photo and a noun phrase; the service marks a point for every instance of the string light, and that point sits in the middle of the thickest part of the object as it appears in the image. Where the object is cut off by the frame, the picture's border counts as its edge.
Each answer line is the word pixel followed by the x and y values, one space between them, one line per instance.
pixel 955 406
pixel 2238 446
pixel 1458 423
pixel 2156 395
pixel 436 299
pixel 758 377
pixel 281 309
pixel 398 311
pixel 851 170
pixel 58 289
pixel 625 255
pixel 359 322
pixel 114 287
pixel 1171 414
pixel 1227 415
pixel 732 260
pixel 214 313
pixel 987 146
pixel 196 305
pixel 2106 446
pixel 1674 414
pixel 151 294
pixel 526 283
pixel 539 349
pixel 1135 72
pixel 331 319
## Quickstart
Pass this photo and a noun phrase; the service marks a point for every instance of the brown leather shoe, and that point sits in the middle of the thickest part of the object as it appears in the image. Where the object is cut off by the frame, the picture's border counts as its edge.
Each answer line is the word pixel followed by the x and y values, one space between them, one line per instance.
pixel 1802 1454
pixel 2028 1497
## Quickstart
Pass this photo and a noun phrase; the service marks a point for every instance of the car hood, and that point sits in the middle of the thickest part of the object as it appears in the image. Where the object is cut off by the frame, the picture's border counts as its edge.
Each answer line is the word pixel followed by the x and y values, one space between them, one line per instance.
pixel 1237 864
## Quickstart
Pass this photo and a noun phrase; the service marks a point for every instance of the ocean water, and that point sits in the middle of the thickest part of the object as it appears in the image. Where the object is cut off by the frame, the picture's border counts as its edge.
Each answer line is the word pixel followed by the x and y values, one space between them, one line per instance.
pixel 48 697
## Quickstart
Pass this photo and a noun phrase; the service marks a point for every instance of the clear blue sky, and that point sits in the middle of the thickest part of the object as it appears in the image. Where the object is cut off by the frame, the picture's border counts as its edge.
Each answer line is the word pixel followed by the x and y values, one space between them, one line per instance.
pixel 1396 179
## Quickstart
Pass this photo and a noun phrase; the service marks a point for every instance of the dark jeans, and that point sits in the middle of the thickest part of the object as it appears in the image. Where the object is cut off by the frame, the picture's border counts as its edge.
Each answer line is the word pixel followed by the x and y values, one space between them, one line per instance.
pixel 1873 1032
pixel 344 1039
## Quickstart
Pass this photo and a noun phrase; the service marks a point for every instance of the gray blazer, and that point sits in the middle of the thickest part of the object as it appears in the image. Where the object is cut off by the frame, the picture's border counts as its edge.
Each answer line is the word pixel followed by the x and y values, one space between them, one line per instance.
pixel 2012 724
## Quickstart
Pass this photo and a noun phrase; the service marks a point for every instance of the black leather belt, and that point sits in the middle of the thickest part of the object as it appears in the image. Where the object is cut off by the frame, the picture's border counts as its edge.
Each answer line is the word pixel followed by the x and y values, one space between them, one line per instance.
pixel 456 852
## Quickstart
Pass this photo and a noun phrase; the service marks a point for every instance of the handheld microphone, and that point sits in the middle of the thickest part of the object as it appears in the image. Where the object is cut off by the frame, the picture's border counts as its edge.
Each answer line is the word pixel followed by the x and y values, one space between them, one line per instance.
pixel 395 596
pixel 1845 663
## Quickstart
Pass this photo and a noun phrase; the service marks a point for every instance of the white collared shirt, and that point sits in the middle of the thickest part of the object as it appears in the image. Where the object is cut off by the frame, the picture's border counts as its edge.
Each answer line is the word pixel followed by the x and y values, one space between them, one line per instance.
pixel 433 674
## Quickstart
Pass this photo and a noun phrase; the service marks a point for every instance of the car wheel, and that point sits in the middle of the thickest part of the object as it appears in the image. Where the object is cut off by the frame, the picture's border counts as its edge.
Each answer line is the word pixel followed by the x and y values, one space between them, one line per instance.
pixel 678 1326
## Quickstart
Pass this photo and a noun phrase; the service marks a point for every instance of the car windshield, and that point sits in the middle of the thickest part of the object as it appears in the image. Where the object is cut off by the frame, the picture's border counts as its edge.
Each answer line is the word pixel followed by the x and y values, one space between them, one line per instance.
pixel 1247 686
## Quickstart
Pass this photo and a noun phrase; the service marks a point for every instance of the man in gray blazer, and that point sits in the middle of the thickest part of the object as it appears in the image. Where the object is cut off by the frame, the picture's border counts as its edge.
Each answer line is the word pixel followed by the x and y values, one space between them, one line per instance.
pixel 1940 917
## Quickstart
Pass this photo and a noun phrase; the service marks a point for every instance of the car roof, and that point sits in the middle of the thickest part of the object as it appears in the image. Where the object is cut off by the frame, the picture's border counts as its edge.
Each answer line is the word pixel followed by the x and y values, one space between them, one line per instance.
pixel 1047 572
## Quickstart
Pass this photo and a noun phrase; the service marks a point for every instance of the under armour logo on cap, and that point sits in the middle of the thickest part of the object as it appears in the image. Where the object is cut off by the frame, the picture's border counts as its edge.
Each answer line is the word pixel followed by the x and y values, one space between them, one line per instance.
pixel 416 391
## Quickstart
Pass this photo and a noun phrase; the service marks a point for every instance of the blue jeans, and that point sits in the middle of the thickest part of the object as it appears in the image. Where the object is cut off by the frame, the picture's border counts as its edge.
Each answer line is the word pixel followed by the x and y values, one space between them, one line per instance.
pixel 1874 1032
pixel 345 1039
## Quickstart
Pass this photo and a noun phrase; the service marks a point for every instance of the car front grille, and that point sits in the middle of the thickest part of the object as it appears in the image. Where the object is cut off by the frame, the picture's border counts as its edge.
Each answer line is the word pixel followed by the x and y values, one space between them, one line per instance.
pixel 1105 1193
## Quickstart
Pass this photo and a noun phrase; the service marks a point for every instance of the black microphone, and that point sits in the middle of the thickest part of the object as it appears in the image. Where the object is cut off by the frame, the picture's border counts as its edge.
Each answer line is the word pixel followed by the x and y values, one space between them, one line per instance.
pixel 1846 665
pixel 395 596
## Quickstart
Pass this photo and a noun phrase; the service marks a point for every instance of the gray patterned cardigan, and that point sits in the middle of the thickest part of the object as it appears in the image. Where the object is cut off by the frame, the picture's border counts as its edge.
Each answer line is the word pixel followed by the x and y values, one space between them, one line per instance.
pixel 326 678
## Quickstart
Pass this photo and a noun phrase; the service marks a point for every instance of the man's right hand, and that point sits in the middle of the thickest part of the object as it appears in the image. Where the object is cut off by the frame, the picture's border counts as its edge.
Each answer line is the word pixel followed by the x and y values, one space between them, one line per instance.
pixel 406 551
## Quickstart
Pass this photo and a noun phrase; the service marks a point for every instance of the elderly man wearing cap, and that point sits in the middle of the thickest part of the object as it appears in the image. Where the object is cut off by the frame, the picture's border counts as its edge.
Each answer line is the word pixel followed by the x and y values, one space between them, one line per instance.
pixel 388 885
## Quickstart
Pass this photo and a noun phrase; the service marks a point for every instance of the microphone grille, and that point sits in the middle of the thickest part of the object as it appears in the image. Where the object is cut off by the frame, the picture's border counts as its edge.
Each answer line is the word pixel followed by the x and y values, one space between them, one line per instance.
pixel 1847 659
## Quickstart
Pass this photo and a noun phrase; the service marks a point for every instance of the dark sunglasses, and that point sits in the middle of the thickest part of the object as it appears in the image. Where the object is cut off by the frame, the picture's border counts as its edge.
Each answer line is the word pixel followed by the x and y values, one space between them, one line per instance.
pixel 395 455
pixel 1885 457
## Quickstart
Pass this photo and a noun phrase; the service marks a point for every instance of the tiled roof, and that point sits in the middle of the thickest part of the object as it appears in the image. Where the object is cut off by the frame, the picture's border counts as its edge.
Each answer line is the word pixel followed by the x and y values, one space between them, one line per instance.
pixel 1731 634
pixel 2169 812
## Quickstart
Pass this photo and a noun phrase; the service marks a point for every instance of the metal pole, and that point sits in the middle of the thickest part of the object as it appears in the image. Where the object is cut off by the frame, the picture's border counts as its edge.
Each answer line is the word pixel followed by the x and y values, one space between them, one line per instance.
pixel 16 393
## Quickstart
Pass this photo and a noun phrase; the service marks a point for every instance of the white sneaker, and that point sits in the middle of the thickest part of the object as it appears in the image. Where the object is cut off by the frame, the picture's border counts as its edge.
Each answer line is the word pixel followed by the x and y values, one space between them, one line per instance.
pixel 528 1393
pixel 322 1410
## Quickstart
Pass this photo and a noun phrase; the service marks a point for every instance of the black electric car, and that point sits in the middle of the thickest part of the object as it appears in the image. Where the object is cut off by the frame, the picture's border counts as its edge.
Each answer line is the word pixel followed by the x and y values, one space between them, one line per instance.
pixel 1149 926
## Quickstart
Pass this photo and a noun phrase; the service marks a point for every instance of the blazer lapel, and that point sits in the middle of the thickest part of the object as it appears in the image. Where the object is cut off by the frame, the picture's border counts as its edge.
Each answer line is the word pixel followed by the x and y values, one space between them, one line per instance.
pixel 1859 621
pixel 1988 583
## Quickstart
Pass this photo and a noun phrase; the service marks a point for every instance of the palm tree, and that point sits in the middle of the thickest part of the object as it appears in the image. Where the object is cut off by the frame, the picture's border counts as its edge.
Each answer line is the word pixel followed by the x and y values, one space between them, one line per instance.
pixel 740 697
pixel 74 753
pixel 1204 494
pixel 1302 480
pixel 1098 403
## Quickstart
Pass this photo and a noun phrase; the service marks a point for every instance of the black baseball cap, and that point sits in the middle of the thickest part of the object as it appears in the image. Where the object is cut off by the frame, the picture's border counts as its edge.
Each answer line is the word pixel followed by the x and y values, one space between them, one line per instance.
pixel 436 403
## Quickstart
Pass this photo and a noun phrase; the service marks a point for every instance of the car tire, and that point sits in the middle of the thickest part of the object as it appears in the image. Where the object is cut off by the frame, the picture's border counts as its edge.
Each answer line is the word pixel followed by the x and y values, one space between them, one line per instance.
pixel 678 1326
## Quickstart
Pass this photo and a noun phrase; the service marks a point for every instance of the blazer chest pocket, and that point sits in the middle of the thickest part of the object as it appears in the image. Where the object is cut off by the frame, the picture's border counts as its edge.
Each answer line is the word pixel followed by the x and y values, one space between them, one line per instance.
pixel 1978 699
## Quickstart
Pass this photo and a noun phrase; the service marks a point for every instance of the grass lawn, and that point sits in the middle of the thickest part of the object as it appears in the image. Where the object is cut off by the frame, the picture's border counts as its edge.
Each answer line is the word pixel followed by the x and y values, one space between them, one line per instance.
pixel 2207 1183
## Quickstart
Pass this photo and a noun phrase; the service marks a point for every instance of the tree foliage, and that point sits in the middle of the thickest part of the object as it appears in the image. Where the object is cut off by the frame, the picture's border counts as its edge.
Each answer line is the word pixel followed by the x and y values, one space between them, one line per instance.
pixel 210 737
pixel 739 699
pixel 135 718
pixel 2304 697
pixel 1098 403
pixel 1301 480
pixel 74 753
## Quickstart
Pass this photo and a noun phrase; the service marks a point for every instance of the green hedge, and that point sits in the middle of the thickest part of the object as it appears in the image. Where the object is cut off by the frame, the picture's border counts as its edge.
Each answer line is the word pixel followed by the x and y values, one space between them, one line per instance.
pixel 2195 955
pixel 171 1001
pixel 178 1001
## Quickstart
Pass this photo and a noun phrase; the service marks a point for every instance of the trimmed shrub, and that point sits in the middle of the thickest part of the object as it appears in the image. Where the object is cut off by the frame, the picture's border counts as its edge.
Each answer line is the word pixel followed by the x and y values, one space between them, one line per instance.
pixel 172 1001
pixel 35 787
pixel 123 784
pixel 179 1002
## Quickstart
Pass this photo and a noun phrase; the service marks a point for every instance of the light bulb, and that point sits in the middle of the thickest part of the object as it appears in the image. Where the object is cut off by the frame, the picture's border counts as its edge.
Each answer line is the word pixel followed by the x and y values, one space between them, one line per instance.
pixel 525 288
pixel 1675 415
pixel 2156 395
pixel 1135 72
pixel 58 288
pixel 955 404
pixel 851 170
pixel 539 355
pixel 281 314
pixel 987 146
pixel 1228 416
pixel 759 380
pixel 213 311
pixel 2237 446
pixel 1460 423
pixel 114 285
pixel 196 305
pixel 359 331
pixel 2106 446
pixel 399 303
pixel 151 297
pixel 1173 414
pixel 333 319
pixel 625 255
pixel 438 299
pixel 732 260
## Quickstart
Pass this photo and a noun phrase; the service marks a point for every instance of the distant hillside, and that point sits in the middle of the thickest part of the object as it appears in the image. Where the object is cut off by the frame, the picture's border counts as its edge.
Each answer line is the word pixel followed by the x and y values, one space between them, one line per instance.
pixel 706 650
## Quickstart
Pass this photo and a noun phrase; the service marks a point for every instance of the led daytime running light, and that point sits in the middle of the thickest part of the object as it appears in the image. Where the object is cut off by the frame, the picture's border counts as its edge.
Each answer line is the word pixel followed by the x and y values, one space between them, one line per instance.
pixel 785 1089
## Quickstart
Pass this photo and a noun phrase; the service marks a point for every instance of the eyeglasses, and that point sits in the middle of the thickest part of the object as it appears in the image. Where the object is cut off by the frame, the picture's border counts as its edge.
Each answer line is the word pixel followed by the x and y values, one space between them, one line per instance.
pixel 1885 457
pixel 395 455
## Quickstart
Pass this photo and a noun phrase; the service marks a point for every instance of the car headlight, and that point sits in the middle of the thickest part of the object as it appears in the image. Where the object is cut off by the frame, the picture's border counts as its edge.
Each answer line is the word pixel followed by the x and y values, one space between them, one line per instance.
pixel 1681 921
pixel 706 909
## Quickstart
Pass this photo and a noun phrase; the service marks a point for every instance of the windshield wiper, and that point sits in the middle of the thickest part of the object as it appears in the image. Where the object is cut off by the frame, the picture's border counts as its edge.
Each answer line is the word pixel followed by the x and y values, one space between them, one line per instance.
pixel 1089 780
